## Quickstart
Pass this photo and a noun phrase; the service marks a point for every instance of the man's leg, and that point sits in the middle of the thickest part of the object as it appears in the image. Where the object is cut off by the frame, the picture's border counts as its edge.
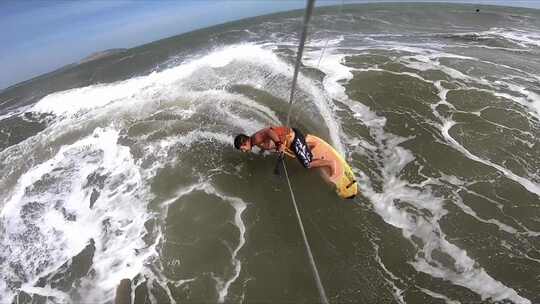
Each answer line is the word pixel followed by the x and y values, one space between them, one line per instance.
pixel 327 166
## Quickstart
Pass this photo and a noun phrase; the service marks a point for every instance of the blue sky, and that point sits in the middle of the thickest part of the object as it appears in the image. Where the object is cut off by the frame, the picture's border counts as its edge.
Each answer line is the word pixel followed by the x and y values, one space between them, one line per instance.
pixel 39 36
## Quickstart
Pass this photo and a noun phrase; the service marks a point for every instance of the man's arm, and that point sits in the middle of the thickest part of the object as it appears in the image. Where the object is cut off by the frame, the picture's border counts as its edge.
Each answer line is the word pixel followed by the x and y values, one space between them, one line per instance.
pixel 273 136
pixel 260 139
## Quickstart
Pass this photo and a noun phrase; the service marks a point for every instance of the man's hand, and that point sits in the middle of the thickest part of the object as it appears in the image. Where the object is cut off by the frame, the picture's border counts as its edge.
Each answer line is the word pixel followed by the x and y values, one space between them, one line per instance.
pixel 280 148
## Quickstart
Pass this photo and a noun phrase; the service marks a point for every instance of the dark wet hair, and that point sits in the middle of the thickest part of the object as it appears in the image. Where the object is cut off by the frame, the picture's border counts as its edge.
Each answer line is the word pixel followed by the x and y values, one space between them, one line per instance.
pixel 239 140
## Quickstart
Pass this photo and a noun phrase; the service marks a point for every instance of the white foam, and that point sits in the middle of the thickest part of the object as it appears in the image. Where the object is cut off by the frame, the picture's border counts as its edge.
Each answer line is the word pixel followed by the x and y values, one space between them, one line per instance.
pixel 476 280
pixel 438 296
pixel 533 99
pixel 448 123
pixel 527 184
pixel 397 292
pixel 153 85
pixel 429 60
pixel 239 205
pixel 15 112
pixel 393 159
pixel 490 47
pixel 171 83
pixel 520 37
pixel 336 73
pixel 501 208
pixel 506 228
pixel 46 292
pixel 181 81
pixel 197 136
pixel 122 204
pixel 162 84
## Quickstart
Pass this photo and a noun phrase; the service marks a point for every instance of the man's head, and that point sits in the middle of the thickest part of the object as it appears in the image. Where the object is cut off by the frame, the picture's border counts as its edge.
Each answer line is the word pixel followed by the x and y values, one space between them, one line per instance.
pixel 242 142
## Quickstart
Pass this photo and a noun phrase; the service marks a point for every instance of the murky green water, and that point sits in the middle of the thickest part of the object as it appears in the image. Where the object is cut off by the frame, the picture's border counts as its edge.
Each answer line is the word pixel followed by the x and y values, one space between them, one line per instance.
pixel 124 167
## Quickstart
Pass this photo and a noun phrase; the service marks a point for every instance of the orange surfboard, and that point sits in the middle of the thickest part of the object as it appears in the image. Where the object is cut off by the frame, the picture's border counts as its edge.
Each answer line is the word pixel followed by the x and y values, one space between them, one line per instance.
pixel 343 179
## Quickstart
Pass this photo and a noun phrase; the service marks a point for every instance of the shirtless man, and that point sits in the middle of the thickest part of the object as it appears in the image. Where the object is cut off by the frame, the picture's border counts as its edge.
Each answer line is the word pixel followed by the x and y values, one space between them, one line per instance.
pixel 290 141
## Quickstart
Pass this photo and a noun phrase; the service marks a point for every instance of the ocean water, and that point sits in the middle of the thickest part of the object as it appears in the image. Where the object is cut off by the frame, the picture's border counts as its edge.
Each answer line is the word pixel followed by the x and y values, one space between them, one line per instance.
pixel 123 167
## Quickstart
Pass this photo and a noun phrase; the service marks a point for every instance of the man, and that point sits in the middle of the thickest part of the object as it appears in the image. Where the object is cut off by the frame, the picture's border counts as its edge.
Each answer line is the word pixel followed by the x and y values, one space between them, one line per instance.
pixel 286 140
